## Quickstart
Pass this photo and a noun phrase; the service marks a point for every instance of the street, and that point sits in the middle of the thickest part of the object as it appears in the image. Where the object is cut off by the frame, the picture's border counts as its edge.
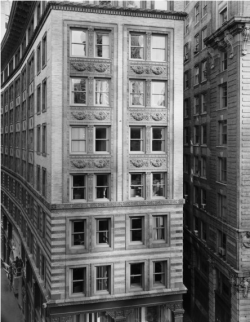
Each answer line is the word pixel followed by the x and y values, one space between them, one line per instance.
pixel 10 311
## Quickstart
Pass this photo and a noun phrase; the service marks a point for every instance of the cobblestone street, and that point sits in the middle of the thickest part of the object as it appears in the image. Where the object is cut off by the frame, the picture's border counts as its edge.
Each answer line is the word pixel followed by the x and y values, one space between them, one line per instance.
pixel 10 311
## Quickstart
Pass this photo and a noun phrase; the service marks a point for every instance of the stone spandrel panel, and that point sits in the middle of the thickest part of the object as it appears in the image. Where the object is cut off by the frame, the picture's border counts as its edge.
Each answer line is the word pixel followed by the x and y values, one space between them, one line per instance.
pixel 83 114
pixel 80 67
pixel 155 163
pixel 79 163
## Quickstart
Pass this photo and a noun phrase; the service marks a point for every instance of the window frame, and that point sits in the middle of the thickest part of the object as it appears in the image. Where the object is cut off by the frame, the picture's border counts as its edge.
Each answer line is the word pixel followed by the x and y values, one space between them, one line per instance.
pixel 196 75
pixel 204 30
pixel 164 95
pixel 95 92
pixel 72 91
pixel 77 249
pixel 196 105
pixel 103 246
pixel 44 50
pixel 143 93
pixel 144 279
pixel 224 61
pixel 165 263
pixel 85 286
pixel 107 139
pixel 163 140
pixel 135 244
pixel 141 139
pixel 71 140
pixel 222 15
pixel 196 14
pixel 204 102
pixel 95 42
pixel 143 185
pixel 204 8
pixel 87 39
pixel 204 71
pixel 223 97
pixel 223 133
pixel 165 49
pixel 109 187
pixel 85 187
pixel 203 167
pixel 222 205
pixel 197 135
pixel 110 279
pixel 166 240
pixel 44 95
pixel 223 170
pixel 204 135
pixel 144 45
pixel 164 184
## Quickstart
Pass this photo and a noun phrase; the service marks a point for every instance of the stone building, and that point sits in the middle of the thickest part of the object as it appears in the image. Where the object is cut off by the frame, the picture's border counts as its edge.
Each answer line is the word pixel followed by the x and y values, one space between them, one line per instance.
pixel 92 159
pixel 216 160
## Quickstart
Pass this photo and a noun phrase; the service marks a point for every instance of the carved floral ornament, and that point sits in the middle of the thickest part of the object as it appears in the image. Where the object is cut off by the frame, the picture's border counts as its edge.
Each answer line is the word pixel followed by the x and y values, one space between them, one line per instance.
pixel 81 164
pixel 240 284
pixel 156 70
pixel 246 239
pixel 147 117
pixel 90 116
pixel 246 37
pixel 90 67
pixel 139 163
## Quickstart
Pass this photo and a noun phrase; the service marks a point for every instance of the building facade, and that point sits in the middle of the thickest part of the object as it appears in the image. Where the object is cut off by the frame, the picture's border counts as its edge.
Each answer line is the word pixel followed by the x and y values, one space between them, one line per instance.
pixel 92 159
pixel 216 160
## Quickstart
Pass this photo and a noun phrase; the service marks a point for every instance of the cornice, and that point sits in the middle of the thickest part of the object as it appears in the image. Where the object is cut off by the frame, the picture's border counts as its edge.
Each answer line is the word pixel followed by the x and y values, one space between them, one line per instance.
pixel 233 27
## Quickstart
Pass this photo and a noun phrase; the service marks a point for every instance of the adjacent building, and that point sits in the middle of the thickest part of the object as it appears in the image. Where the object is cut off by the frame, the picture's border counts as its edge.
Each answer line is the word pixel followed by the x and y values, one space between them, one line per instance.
pixel 216 160
pixel 91 156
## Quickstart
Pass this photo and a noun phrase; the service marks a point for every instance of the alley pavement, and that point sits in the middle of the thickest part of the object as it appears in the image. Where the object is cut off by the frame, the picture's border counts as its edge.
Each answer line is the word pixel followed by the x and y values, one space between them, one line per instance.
pixel 10 311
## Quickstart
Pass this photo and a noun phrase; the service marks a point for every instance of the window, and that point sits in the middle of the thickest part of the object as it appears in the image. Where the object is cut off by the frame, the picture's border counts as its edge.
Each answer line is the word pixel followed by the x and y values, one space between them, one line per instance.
pixel 78 139
pixel 203 36
pixel 159 5
pixel 101 139
pixel 203 71
pixel 137 185
pixel 102 186
pixel 222 241
pixel 186 31
pixel 223 94
pixel 78 187
pixel 159 274
pixel 223 169
pixel 196 166
pixel 101 92
pixel 224 61
pixel 136 275
pixel 204 8
pixel 158 185
pixel 186 108
pixel 44 95
pixel 133 4
pixel 38 99
pixel 44 139
pixel 197 14
pixel 38 12
pixel 158 49
pixel 78 91
pixel 186 80
pixel 203 167
pixel 222 205
pixel 159 228
pixel 44 50
pixel 44 179
pixel 203 230
pixel 78 43
pixel 204 103
pixel 102 45
pixel 103 232
pixel 223 132
pixel 158 90
pixel 78 280
pixel 204 134
pixel 186 163
pixel 103 278
pixel 136 229
pixel 17 57
pixel 223 16
pixel 38 55
pixel 136 93
pixel 137 139
pixel 196 75
pixel 196 43
pixel 38 138
pixel 137 46
pixel 196 134
pixel 203 198
pixel 78 233
pixel 186 50
pixel 196 104
pixel 158 139
pixel 186 135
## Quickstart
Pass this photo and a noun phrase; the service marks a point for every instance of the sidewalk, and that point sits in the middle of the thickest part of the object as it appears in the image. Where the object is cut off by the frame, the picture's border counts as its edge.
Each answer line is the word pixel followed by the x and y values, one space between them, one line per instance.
pixel 10 311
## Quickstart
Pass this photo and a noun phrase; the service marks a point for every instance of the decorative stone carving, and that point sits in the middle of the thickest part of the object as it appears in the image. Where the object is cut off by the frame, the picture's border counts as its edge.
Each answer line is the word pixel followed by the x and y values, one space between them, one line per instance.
pixel 89 67
pixel 101 163
pixel 80 164
pixel 138 163
pixel 239 284
pixel 100 116
pixel 79 115
pixel 246 36
pixel 156 70
pixel 173 307
pixel 228 38
pixel 157 163
pixel 120 315
pixel 138 116
pixel 157 116
pixel 246 240
pixel 91 41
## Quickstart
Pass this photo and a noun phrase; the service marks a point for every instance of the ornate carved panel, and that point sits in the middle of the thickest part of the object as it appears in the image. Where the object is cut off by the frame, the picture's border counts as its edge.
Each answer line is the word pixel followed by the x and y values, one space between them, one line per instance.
pixel 148 116
pixel 90 90
pixel 90 186
pixel 153 70
pixel 90 139
pixel 90 164
pixel 90 67
pixel 159 163
pixel 148 92
pixel 97 115
pixel 148 53
pixel 246 239
pixel 91 41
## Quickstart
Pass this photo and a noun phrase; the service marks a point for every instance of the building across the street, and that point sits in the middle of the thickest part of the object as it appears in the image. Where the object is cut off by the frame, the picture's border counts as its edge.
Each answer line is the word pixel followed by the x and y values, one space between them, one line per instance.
pixel 217 160
pixel 92 177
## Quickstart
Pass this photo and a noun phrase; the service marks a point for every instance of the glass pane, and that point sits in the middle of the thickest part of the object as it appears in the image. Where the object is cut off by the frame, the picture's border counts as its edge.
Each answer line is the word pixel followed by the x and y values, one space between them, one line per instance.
pixel 158 54
pixel 102 51
pixel 78 181
pixel 136 235
pixel 78 133
pixel 78 226
pixel 161 5
pixel 137 40
pixel 135 133
pixel 136 280
pixel 78 239
pixel 136 179
pixel 158 100
pixel 79 98
pixel 137 53
pixel 158 222
pixel 136 269
pixel 136 223
pixel 78 36
pixel 78 50
pixel 135 145
pixel 102 39
pixel 100 146
pixel 133 4
pixel 101 86
pixel 158 133
pixel 137 99
pixel 78 274
pixel 136 192
pixel 77 287
pixel 102 193
pixel 100 133
pixel 79 85
pixel 158 234
pixel 102 180
pixel 78 193
pixel 102 271
pixel 159 41
pixel 136 87
pixel 103 224
pixel 102 98
pixel 157 146
pixel 159 267
pixel 158 88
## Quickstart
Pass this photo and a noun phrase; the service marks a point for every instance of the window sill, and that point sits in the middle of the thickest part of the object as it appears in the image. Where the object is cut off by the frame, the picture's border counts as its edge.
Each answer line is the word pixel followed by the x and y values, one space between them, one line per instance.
pixel 44 66
pixel 136 152
pixel 77 250
pixel 203 145
pixel 77 105
pixel 135 289
pixel 137 106
pixel 221 146
pixel 38 113
pixel 101 152
pixel 158 197
pixel 203 113
pixel 136 198
pixel 101 293
pixel 104 248
pixel 203 81
pixel 79 153
pixel 44 154
pixel 77 295
pixel 101 200
pixel 222 183
pixel 221 109
pixel 45 110
pixel 78 200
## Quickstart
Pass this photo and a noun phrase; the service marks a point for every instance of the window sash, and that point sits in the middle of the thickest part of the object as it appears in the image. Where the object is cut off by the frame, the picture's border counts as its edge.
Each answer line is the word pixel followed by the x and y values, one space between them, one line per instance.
pixel 159 275
pixel 158 185
pixel 136 229
pixel 159 227
pixel 78 284
pixel 136 275
pixel 158 139
pixel 101 48
pixel 78 191
pixel 78 237
pixel 78 139
pixel 137 47
pixel 102 88
pixel 158 97
pixel 102 278
pixel 136 143
pixel 101 143
pixel 103 233
pixel 136 93
pixel 78 48
pixel 102 191
pixel 136 185
pixel 158 52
